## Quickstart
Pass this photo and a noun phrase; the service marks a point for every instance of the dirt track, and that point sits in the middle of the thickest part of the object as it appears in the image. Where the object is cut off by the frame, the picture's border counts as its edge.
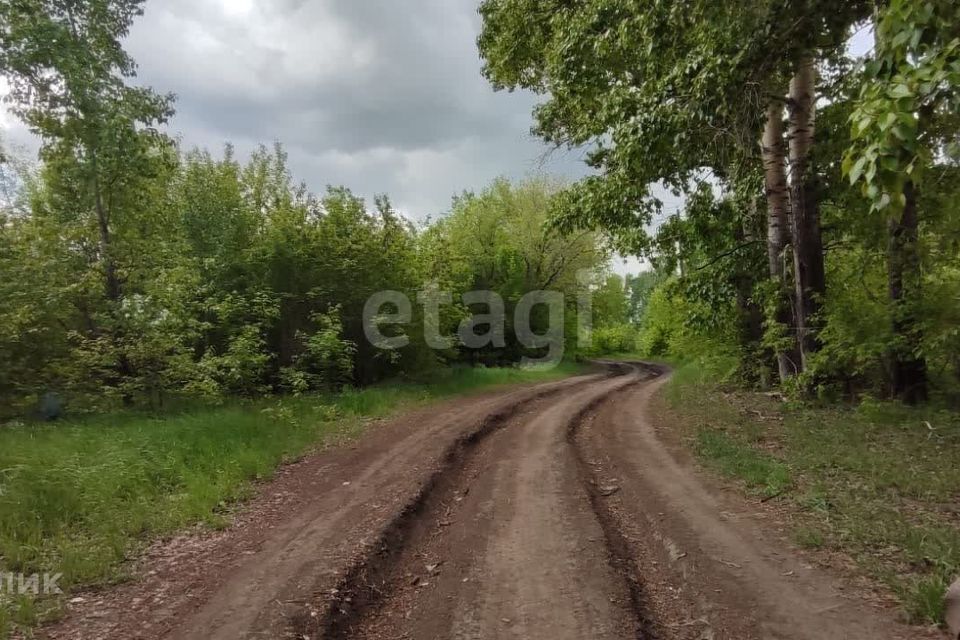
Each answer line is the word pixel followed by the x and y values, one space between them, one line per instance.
pixel 546 512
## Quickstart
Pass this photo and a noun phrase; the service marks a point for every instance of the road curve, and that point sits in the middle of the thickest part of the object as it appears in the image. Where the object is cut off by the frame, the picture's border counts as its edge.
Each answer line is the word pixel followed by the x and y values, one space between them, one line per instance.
pixel 707 562
pixel 547 512
pixel 510 546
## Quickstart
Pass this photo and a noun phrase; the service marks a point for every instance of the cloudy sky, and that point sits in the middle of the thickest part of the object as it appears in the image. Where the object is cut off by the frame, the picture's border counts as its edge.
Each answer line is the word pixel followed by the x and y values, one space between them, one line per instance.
pixel 378 95
pixel 382 96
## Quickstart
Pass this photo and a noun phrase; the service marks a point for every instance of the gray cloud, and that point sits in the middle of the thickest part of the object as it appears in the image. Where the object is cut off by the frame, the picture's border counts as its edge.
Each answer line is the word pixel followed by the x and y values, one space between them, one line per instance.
pixel 379 95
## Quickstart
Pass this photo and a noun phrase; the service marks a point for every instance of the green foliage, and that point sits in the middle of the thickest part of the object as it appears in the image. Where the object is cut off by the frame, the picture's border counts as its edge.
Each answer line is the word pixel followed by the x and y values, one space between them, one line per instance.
pixel 909 85
pixel 670 329
pixel 677 97
pixel 923 598
pixel 857 335
pixel 327 360
pixel 660 91
pixel 612 340
pixel 639 289
pixel 499 241
pixel 761 473
pixel 256 286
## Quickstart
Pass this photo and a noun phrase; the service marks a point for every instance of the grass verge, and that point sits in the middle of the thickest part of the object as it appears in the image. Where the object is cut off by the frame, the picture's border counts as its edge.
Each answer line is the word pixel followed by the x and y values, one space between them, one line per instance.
pixel 79 498
pixel 879 482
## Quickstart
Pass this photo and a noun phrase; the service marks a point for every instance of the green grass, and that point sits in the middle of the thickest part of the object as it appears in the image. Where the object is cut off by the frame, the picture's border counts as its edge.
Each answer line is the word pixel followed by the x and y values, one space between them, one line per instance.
pixel 808 537
pixel 81 497
pixel 879 482
pixel 766 475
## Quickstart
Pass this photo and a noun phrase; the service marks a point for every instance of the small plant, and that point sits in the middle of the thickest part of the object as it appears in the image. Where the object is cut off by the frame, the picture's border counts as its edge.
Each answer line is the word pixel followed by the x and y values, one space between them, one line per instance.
pixel 923 599
pixel 760 472
pixel 809 537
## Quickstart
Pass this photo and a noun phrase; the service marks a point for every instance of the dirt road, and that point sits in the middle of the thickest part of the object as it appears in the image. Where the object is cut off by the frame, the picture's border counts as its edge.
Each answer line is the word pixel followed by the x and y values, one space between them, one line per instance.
pixel 546 512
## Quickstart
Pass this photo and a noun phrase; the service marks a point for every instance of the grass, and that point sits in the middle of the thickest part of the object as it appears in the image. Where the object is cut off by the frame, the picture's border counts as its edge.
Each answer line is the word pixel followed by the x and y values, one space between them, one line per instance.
pixel 81 497
pixel 760 472
pixel 879 482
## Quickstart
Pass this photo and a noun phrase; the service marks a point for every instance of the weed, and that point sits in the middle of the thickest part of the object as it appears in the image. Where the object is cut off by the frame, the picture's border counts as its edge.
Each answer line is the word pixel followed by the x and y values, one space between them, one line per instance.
pixel 923 598
pixel 758 471
pixel 808 537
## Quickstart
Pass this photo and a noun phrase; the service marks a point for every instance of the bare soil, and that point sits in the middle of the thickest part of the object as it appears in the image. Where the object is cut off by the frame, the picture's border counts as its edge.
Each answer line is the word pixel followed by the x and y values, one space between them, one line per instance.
pixel 545 512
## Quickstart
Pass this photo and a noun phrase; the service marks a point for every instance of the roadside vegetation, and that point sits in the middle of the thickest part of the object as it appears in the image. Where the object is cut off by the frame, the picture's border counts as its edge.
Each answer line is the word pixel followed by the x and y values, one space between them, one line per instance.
pixel 875 481
pixel 83 496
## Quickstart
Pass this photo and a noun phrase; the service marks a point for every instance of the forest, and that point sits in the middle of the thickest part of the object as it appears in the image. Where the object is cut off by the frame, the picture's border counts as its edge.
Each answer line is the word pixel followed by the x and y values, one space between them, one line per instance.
pixel 814 185
pixel 176 322
pixel 211 279
pixel 819 243
pixel 135 272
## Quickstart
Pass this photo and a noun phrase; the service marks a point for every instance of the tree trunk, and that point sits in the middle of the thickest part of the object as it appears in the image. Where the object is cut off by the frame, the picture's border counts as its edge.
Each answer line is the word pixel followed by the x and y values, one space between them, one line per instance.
pixel 112 280
pixel 751 315
pixel 908 371
pixel 778 232
pixel 809 275
pixel 112 288
pixel 775 182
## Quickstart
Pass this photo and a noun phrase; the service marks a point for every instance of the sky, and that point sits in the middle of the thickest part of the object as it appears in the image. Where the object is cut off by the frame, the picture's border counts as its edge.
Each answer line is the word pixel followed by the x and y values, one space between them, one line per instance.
pixel 381 96
pixel 377 95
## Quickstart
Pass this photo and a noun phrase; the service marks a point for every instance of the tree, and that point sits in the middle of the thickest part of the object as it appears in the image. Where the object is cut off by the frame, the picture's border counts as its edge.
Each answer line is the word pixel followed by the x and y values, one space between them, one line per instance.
pixel 671 93
pixel 910 90
pixel 809 274
pixel 778 233
pixel 67 71
pixel 639 288
pixel 498 240
pixel 610 302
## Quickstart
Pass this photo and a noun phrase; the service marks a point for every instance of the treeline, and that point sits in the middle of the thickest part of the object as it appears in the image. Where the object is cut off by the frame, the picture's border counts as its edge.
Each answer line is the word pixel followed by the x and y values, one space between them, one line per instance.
pixel 132 271
pixel 234 280
pixel 820 242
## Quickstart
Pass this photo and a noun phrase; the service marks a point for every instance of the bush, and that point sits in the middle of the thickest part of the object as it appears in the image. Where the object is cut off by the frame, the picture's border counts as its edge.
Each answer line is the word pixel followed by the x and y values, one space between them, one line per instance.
pixel 617 339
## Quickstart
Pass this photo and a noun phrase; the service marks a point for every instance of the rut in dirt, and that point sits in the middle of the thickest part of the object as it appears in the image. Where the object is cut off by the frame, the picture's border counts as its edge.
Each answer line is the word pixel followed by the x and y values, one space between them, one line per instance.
pixel 357 592
pixel 552 511
pixel 571 520
pixel 599 489
pixel 507 542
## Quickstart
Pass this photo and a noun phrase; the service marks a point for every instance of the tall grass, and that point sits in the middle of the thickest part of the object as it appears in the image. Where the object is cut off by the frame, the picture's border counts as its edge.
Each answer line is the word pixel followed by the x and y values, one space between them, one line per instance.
pixel 80 497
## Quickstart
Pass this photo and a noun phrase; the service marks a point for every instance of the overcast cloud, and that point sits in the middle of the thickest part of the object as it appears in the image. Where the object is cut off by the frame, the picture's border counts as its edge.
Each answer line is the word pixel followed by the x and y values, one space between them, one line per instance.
pixel 383 96
pixel 378 95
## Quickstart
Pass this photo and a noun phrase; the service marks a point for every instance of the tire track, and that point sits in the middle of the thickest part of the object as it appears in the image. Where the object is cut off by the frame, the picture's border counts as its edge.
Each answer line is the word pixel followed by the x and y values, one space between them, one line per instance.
pixel 505 545
pixel 544 513
pixel 619 547
pixel 711 564
pixel 362 589
pixel 293 543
